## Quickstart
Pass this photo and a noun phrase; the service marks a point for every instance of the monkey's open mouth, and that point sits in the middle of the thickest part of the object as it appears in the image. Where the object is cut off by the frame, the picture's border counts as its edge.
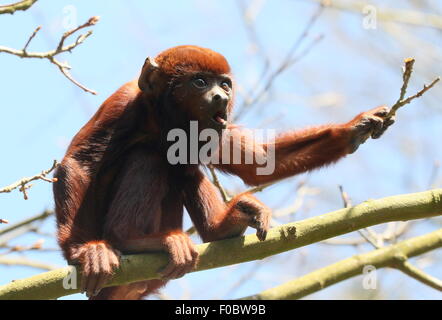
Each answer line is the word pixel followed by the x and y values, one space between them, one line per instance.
pixel 220 118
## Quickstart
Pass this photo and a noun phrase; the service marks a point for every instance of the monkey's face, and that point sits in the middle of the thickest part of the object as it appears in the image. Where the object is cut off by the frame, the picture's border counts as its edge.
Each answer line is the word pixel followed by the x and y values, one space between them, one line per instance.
pixel 206 98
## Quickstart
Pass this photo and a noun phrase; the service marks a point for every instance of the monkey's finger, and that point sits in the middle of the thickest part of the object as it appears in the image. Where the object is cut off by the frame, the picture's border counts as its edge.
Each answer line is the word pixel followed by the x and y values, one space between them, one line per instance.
pixel 106 264
pixel 382 112
pixel 387 123
pixel 173 270
pixel 92 269
pixel 175 256
pixel 193 253
pixel 377 126
pixel 114 259
pixel 186 250
pixel 101 281
pixel 170 269
pixel 83 285
pixel 90 284
pixel 261 234
pixel 178 272
pixel 167 271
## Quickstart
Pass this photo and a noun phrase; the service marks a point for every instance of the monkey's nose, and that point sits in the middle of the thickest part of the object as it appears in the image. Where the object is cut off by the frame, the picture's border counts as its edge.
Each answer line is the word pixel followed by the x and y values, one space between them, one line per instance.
pixel 220 99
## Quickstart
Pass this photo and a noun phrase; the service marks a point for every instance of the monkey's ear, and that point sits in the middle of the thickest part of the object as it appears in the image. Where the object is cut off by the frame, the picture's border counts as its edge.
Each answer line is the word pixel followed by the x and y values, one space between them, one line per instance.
pixel 151 76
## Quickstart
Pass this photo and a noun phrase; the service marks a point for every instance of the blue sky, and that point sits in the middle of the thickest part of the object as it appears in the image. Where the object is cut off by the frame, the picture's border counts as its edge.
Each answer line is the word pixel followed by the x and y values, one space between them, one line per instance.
pixel 40 111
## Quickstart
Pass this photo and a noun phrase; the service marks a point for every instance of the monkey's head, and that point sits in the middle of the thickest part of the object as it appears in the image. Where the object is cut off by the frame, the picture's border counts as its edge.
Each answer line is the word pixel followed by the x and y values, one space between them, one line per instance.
pixel 194 82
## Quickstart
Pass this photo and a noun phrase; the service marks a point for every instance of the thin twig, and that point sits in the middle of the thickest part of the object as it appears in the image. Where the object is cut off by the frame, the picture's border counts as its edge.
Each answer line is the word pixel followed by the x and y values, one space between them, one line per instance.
pixel 371 236
pixel 302 190
pixel 407 71
pixel 403 16
pixel 253 35
pixel 260 187
pixel 61 48
pixel 218 184
pixel 345 197
pixel 36 246
pixel 23 183
pixel 286 62
pixel 31 37
pixel 27 263
pixel 434 174
pixel 25 222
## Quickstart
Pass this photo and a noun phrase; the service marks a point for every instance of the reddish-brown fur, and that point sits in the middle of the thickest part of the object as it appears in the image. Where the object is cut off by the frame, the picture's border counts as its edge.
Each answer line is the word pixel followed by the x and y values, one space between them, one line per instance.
pixel 116 191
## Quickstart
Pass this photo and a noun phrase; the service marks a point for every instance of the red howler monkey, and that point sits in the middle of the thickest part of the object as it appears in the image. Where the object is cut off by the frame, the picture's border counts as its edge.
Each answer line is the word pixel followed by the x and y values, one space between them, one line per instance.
pixel 117 192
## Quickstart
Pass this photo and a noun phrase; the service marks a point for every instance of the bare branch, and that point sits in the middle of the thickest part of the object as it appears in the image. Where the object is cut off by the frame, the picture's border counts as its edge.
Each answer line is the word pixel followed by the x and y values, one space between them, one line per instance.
pixel 31 37
pixel 408 69
pixel 393 256
pixel 61 48
pixel 260 187
pixel 371 236
pixel 434 174
pixel 345 197
pixel 302 191
pixel 23 183
pixel 284 65
pixel 36 246
pixel 217 183
pixel 26 262
pixel 404 16
pixel 27 221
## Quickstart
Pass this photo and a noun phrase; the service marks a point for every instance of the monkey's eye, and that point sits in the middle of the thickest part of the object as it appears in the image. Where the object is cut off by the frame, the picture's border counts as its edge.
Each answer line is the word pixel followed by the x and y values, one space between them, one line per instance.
pixel 199 83
pixel 226 85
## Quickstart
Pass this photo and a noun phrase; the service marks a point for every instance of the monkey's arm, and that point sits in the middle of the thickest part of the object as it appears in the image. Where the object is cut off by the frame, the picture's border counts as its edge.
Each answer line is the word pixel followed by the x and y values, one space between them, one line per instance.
pixel 215 220
pixel 300 151
pixel 78 232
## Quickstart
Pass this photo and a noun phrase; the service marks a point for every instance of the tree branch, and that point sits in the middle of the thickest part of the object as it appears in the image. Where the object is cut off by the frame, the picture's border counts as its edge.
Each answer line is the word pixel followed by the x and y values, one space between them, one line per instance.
pixel 419 275
pixel 25 222
pixel 23 183
pixel 22 5
pixel 61 48
pixel 27 263
pixel 393 256
pixel 405 16
pixel 247 248
pixel 407 71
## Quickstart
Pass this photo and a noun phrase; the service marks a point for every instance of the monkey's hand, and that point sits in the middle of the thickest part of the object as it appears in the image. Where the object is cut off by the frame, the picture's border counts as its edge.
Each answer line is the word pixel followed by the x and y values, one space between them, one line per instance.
pixel 183 255
pixel 368 124
pixel 98 262
pixel 255 214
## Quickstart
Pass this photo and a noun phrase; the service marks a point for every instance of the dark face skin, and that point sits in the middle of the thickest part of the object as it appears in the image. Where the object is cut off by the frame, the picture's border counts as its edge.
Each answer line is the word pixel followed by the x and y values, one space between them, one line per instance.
pixel 205 97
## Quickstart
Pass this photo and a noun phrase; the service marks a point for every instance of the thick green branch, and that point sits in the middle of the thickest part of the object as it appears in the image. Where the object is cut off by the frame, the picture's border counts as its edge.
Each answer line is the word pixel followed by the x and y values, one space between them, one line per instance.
pixel 22 5
pixel 393 256
pixel 242 249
